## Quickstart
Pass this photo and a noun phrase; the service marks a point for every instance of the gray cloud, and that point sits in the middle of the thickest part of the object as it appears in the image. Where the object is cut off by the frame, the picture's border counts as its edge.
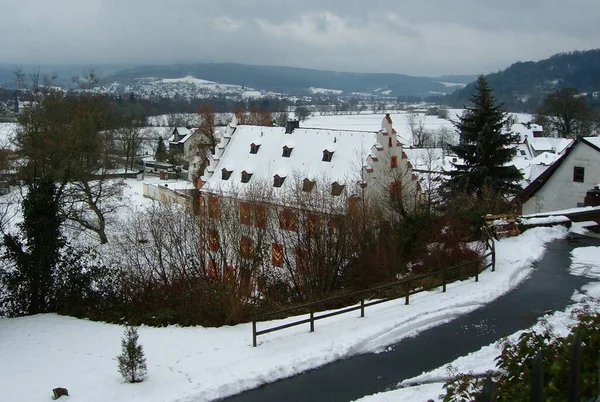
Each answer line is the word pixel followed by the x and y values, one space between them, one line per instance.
pixel 418 38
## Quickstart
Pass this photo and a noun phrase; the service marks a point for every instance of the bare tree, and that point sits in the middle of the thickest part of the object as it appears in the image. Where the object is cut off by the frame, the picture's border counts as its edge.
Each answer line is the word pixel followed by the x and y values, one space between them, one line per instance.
pixel 129 140
pixel 421 137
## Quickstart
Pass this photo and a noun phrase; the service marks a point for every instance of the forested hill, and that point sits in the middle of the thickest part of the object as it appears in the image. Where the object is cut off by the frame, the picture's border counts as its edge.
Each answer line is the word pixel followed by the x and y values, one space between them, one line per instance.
pixel 523 85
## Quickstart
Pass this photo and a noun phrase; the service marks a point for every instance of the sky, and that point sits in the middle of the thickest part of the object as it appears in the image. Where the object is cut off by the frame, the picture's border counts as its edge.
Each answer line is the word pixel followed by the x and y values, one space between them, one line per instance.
pixel 417 37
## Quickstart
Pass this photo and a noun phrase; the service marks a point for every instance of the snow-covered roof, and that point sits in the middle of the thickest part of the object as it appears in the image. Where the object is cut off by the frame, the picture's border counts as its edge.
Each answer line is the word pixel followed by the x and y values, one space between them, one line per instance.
pixel 550 144
pixel 593 140
pixel 350 150
pixel 428 159
pixel 184 134
pixel 7 134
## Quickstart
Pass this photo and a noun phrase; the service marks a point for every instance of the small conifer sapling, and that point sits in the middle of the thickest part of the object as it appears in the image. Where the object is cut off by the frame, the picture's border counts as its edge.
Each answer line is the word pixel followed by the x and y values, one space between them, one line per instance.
pixel 132 363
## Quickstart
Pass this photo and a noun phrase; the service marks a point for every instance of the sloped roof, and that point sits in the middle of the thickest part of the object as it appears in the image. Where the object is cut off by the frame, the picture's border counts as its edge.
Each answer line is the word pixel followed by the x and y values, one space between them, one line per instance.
pixel 184 134
pixel 549 144
pixel 350 150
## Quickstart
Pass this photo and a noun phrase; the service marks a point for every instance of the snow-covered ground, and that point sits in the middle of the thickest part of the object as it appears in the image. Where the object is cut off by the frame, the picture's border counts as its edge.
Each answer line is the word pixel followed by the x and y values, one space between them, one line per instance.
pixel 585 262
pixel 194 364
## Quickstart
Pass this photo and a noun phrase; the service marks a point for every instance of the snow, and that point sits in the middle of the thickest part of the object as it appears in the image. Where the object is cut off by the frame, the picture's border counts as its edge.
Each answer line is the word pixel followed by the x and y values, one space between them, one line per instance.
pixel 325 91
pixel 188 79
pixel 7 133
pixel 544 220
pixel 564 211
pixel 452 84
pixel 593 140
pixel 585 260
pixel 199 364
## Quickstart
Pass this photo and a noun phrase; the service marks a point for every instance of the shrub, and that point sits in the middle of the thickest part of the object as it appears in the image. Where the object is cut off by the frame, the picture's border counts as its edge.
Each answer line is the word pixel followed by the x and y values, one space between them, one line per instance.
pixel 132 363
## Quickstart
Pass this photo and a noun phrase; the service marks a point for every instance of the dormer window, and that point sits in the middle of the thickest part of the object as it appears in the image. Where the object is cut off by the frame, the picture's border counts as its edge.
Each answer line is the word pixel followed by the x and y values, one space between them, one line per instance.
pixel 278 180
pixel 246 177
pixel 287 151
pixel 327 155
pixel 337 188
pixel 308 185
pixel 225 174
pixel 254 148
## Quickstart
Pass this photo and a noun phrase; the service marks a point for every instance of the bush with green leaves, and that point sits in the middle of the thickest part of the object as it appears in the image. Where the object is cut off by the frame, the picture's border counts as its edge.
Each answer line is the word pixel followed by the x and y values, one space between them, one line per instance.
pixel 132 362
pixel 515 364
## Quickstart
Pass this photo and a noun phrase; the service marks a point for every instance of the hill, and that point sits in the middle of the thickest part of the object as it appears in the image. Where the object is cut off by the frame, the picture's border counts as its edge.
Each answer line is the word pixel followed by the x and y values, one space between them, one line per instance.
pixel 523 85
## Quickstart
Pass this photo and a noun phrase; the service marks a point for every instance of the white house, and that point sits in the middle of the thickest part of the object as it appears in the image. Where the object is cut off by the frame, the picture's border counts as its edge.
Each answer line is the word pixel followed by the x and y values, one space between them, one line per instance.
pixel 565 183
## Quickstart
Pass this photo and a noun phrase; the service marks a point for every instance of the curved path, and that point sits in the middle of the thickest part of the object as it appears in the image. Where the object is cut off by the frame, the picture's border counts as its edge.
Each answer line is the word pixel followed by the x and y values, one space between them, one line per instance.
pixel 550 287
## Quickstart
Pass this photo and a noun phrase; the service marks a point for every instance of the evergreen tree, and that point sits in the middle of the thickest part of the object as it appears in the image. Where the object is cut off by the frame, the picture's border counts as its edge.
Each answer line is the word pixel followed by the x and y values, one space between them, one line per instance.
pixel 132 363
pixel 484 149
pixel 161 151
pixel 31 283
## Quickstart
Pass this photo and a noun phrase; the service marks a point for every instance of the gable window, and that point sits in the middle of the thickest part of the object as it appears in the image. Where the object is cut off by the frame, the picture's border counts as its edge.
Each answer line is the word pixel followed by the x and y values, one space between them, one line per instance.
pixel 336 188
pixel 301 260
pixel 246 177
pixel 395 190
pixel 254 148
pixel 578 174
pixel 246 247
pixel 327 155
pixel 278 180
pixel 287 219
pixel 390 142
pixel 522 152
pixel 313 225
pixel 213 270
pixel 277 255
pixel 225 174
pixel 287 151
pixel 394 161
pixel 308 185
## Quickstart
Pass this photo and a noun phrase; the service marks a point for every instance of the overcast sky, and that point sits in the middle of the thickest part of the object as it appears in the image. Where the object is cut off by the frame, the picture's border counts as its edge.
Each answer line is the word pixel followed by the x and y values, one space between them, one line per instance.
pixel 417 37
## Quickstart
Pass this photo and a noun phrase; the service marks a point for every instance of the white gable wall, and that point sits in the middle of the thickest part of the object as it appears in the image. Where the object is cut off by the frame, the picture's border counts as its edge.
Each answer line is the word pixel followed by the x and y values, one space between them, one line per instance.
pixel 560 191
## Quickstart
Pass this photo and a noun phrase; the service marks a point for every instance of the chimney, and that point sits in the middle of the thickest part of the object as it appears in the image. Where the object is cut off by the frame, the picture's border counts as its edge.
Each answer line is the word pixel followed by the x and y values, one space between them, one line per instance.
pixel 291 125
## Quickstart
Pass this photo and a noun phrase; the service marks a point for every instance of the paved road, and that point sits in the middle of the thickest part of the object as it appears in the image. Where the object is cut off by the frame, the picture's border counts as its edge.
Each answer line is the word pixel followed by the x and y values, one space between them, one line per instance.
pixel 549 288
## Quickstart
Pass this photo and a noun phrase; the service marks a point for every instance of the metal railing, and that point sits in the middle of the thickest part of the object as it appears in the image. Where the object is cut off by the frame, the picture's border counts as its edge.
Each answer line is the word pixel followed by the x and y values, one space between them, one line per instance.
pixel 364 296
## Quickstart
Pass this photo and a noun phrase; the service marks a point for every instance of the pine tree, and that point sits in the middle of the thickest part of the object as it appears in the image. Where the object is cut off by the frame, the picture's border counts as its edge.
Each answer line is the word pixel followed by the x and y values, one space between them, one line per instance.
pixel 132 363
pixel 484 150
pixel 161 151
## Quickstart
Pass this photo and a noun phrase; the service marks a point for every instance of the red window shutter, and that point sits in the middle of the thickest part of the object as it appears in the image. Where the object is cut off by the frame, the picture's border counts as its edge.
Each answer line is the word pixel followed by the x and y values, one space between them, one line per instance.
pixel 312 225
pixel 287 220
pixel 246 247
pixel 260 215
pixel 213 272
pixel 301 260
pixel 245 209
pixel 246 281
pixel 394 161
pixel 213 240
pixel 390 142
pixel 277 255
pixel 229 274
pixel 213 207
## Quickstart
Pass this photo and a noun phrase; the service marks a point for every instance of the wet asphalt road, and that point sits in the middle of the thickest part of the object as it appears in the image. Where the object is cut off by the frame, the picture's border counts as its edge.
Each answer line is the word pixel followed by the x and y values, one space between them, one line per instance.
pixel 550 287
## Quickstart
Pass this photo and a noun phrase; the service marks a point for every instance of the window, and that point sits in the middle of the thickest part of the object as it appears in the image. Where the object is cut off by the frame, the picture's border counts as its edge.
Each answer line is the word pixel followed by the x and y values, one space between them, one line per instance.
pixel 246 177
pixel 277 255
pixel 287 151
pixel 522 152
pixel 278 180
pixel 301 260
pixel 313 223
pixel 213 207
pixel 394 161
pixel 213 272
pixel 578 174
pixel 287 219
pixel 308 185
pixel 245 212
pixel 246 281
pixel 225 174
pixel 254 148
pixel 260 215
pixel 336 188
pixel 213 240
pixel 395 190
pixel 246 247
pixel 390 142
pixel 327 156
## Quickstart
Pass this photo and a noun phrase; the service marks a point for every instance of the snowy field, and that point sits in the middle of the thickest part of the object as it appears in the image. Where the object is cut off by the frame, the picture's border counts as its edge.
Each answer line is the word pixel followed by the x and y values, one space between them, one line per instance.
pixel 585 262
pixel 199 364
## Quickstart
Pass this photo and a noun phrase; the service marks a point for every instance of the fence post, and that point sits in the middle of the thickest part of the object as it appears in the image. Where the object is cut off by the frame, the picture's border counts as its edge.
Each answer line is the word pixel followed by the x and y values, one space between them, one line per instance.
pixel 575 369
pixel 476 272
pixel 312 322
pixel 444 276
pixel 406 298
pixel 537 379
pixel 253 333
pixel 362 308
pixel 493 255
